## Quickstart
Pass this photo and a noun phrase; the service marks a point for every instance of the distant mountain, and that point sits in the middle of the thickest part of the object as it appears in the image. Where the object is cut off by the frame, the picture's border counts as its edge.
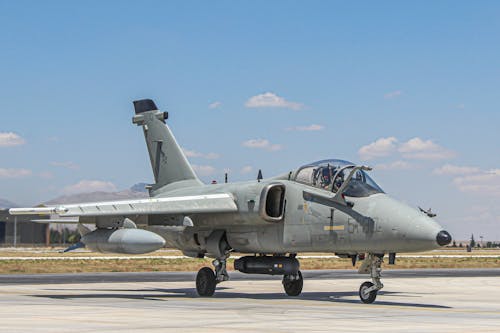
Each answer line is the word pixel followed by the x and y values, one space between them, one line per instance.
pixel 135 192
pixel 139 187
pixel 7 204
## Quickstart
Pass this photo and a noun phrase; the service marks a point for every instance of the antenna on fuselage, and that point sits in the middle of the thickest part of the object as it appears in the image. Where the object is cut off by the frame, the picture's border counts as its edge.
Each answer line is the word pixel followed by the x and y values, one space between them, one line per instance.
pixel 259 176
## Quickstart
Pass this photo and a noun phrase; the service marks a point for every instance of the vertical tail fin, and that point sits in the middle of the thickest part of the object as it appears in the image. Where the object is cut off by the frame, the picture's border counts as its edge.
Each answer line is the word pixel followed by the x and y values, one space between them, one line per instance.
pixel 167 159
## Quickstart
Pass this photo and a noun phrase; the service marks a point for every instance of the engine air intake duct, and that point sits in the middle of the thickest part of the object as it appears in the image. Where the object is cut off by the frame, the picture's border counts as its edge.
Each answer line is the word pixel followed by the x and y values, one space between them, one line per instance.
pixel 267 265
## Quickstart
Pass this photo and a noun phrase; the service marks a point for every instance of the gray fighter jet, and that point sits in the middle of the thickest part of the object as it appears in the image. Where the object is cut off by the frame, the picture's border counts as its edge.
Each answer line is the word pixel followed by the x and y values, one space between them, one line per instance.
pixel 326 206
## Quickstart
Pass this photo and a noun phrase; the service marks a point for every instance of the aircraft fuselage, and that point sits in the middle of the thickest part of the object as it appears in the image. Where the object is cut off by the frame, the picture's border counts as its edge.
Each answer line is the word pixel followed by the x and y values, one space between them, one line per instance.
pixel 310 222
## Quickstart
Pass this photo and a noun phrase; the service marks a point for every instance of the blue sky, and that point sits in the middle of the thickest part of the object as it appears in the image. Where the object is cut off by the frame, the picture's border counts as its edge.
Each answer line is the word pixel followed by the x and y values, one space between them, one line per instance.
pixel 409 88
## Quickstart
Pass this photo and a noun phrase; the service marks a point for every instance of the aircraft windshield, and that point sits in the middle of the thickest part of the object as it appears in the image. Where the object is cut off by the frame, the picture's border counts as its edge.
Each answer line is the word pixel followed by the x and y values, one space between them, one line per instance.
pixel 331 174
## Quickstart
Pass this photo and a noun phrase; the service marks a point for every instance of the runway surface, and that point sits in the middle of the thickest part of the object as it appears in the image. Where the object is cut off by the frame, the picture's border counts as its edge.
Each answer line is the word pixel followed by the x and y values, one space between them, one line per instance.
pixel 413 300
pixel 235 276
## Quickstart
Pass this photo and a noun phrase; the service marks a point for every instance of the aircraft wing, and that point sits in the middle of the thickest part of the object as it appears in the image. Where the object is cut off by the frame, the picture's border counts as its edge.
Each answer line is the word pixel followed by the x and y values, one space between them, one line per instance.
pixel 62 221
pixel 191 204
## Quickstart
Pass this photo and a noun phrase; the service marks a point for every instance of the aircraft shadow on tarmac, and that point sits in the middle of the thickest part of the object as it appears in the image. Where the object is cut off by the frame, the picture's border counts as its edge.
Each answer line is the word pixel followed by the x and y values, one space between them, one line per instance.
pixel 158 294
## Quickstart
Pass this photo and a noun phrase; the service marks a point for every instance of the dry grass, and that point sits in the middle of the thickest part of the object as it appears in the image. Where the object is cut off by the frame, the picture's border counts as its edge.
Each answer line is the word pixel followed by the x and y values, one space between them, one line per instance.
pixel 79 266
pixel 149 265
pixel 13 266
pixel 55 252
pixel 407 263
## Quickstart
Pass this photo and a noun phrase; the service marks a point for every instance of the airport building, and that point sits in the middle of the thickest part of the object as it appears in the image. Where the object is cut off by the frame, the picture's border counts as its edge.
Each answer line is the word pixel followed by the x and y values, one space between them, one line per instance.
pixel 19 230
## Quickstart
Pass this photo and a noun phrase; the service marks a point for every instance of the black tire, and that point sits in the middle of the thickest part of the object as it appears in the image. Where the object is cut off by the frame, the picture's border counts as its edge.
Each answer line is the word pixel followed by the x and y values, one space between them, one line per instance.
pixel 293 287
pixel 205 282
pixel 365 297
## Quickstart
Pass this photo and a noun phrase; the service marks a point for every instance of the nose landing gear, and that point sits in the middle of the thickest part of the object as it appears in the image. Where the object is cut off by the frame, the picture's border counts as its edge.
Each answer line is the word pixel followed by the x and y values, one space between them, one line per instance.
pixel 368 290
pixel 367 293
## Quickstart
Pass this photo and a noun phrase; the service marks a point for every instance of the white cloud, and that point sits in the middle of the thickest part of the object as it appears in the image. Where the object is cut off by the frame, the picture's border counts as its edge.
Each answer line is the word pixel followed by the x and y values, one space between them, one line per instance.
pixel 416 144
pixel 396 165
pixel 271 100
pixel 10 139
pixel 473 179
pixel 86 186
pixel 14 173
pixel 246 169
pixel 203 170
pixel 212 156
pixel 485 183
pixel 262 144
pixel 380 148
pixel 417 148
pixel 393 94
pixel 313 127
pixel 46 175
pixel 193 153
pixel 67 165
pixel 214 105
pixel 449 169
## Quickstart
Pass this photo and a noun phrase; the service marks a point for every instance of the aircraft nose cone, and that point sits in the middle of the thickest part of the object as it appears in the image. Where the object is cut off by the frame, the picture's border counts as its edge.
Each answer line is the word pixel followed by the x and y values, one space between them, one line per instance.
pixel 443 238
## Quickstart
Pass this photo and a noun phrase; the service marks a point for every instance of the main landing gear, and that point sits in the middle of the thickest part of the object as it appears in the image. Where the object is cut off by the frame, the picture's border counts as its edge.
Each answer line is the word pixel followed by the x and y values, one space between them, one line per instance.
pixel 368 290
pixel 207 279
pixel 293 284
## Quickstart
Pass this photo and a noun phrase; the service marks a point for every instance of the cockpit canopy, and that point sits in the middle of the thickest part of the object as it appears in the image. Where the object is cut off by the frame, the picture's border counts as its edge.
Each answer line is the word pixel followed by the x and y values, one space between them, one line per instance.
pixel 331 174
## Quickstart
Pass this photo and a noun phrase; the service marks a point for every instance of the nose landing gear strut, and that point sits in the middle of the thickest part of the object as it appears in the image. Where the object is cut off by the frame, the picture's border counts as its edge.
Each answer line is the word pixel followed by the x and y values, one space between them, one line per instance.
pixel 372 265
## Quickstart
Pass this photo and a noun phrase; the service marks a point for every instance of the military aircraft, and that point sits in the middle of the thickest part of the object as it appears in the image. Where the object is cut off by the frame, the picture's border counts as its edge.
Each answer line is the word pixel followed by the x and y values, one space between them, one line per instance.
pixel 326 206
pixel 428 212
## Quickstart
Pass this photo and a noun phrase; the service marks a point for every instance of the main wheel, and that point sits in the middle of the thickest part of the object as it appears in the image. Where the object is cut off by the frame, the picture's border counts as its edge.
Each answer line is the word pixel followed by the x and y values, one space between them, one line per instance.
pixel 293 287
pixel 367 297
pixel 205 282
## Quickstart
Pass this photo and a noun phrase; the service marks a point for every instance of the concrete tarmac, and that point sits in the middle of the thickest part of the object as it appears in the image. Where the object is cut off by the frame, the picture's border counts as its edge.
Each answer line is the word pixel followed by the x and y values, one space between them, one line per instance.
pixel 412 301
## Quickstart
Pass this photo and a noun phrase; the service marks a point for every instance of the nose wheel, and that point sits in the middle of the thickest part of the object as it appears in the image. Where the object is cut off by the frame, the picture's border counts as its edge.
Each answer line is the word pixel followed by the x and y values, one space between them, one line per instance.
pixel 366 292
pixel 293 284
